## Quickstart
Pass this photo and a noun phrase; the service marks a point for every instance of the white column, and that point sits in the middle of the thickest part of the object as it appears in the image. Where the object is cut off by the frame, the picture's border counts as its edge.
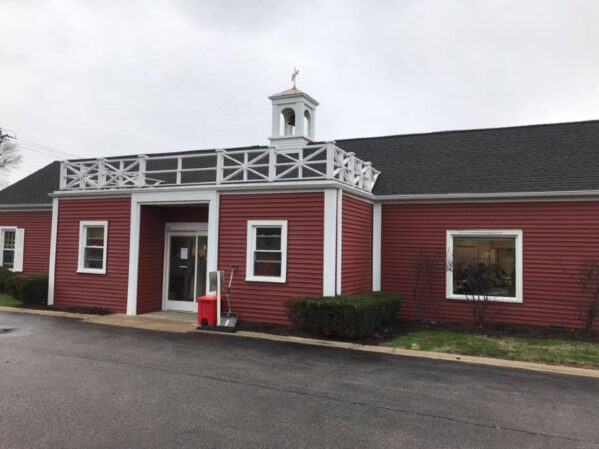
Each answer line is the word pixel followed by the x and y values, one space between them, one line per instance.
pixel 53 237
pixel 212 256
pixel 133 256
pixel 329 271
pixel 339 239
pixel 376 246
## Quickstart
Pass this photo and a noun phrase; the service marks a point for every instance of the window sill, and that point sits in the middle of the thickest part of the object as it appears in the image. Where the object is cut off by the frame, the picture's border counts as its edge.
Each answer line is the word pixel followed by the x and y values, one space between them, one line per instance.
pixel 272 280
pixel 90 271
pixel 490 299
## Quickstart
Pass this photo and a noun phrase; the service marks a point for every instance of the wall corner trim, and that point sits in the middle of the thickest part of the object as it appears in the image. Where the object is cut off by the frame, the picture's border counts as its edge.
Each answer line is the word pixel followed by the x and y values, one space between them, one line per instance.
pixel 53 238
pixel 376 246
pixel 329 265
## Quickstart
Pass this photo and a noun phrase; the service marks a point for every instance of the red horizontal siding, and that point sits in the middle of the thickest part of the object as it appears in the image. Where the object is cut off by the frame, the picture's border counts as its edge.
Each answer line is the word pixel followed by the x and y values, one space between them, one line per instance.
pixel 557 237
pixel 356 252
pixel 38 230
pixel 151 250
pixel 93 290
pixel 151 260
pixel 262 301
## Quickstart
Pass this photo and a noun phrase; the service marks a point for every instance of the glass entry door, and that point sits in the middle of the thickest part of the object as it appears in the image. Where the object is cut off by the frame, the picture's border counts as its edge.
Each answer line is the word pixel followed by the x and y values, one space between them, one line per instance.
pixel 185 269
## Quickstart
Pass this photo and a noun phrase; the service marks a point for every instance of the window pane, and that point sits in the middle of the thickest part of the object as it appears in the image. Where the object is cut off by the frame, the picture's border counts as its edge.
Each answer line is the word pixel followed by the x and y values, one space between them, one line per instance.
pixel 93 258
pixel 94 236
pixel 8 258
pixel 484 266
pixel 9 239
pixel 268 239
pixel 267 264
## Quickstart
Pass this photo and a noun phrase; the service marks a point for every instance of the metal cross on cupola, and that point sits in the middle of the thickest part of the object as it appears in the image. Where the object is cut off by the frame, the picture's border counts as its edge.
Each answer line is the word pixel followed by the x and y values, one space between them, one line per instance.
pixel 294 75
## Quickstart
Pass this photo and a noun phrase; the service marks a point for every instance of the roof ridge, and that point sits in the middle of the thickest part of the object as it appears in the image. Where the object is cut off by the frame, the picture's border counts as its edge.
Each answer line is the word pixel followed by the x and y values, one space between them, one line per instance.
pixel 467 130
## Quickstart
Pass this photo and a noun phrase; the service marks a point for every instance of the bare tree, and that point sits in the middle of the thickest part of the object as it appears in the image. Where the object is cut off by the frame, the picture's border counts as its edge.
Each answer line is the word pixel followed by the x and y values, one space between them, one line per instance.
pixel 588 280
pixel 475 283
pixel 426 264
pixel 9 155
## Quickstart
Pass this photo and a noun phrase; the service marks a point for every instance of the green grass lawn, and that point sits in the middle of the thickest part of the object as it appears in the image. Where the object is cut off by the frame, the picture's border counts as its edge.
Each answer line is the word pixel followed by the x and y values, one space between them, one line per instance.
pixel 7 300
pixel 551 351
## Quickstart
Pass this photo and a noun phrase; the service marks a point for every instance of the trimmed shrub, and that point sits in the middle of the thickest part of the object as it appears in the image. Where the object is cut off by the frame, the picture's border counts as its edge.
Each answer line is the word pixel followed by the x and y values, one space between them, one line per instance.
pixel 5 275
pixel 34 289
pixel 14 286
pixel 31 289
pixel 355 316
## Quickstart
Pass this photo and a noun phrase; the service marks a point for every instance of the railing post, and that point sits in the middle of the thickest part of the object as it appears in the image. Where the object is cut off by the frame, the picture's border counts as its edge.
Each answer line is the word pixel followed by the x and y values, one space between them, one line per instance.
pixel 83 172
pixel 272 163
pixel 367 176
pixel 330 160
pixel 63 174
pixel 351 168
pixel 179 168
pixel 101 173
pixel 141 174
pixel 220 165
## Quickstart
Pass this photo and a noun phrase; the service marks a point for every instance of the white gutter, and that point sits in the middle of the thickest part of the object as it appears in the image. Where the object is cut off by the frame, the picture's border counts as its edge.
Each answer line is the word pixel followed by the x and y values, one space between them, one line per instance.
pixel 494 196
pixel 21 207
pixel 243 187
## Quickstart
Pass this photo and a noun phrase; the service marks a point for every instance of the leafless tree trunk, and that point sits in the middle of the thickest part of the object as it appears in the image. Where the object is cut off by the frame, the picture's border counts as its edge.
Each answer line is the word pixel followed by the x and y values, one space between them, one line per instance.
pixel 425 266
pixel 476 288
pixel 588 280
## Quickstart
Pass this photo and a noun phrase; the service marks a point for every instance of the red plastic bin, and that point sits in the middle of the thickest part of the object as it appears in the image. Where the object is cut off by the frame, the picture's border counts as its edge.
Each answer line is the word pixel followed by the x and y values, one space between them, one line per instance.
pixel 207 310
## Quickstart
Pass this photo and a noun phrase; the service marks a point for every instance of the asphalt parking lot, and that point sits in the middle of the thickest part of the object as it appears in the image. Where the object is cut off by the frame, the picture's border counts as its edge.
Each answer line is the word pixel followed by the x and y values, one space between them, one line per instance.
pixel 70 384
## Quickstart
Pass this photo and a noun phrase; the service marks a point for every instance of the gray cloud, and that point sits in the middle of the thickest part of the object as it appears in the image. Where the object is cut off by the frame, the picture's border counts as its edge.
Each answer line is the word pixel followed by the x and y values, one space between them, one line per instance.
pixel 103 78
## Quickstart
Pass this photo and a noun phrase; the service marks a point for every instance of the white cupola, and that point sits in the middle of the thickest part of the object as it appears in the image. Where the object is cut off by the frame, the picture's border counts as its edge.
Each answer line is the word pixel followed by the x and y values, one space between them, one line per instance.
pixel 293 117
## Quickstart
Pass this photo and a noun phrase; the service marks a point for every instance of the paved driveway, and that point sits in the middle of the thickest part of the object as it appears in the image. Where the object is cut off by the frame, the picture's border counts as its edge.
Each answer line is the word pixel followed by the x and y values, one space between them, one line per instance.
pixel 69 384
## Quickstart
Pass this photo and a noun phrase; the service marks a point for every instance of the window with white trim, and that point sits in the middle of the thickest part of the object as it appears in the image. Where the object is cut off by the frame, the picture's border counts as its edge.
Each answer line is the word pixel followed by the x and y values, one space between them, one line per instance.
pixel 93 239
pixel 11 248
pixel 266 259
pixel 484 263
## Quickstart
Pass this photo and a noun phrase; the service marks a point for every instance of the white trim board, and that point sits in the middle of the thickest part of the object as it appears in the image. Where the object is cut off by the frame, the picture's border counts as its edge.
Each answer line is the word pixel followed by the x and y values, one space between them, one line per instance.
pixel 567 195
pixel 376 246
pixel 53 237
pixel 168 198
pixel 329 252
pixel 339 240
pixel 244 188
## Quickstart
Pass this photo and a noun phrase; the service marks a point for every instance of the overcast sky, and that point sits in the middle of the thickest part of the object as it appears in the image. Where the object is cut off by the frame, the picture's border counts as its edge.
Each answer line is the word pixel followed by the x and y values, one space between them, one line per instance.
pixel 95 78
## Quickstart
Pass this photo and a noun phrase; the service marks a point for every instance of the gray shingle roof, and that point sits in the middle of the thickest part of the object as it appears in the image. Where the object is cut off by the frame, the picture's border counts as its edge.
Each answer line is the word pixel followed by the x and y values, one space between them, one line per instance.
pixel 33 189
pixel 535 158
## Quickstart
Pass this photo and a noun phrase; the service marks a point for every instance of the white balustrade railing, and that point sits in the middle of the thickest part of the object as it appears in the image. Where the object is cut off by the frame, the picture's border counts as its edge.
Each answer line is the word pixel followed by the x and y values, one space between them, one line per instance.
pixel 312 162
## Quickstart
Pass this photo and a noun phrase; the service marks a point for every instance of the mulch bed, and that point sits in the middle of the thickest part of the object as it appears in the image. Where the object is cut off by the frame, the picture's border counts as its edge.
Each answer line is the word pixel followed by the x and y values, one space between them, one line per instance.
pixel 70 309
pixel 404 327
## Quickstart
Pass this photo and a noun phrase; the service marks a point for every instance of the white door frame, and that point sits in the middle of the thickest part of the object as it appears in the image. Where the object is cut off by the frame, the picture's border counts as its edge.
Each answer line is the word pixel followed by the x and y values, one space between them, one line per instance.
pixel 182 229
pixel 209 197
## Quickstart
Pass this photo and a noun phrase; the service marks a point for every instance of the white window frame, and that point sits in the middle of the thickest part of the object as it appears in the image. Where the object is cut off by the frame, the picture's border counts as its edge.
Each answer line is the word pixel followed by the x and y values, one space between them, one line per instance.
pixel 18 251
pixel 252 225
pixel 83 225
pixel 477 233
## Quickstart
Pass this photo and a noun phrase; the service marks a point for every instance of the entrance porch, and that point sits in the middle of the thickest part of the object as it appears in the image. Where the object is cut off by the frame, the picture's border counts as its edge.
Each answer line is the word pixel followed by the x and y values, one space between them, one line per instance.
pixel 175 244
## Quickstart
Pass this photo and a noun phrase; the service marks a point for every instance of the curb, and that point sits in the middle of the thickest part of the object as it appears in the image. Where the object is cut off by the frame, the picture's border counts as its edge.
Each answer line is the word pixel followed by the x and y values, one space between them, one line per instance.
pixel 167 325
pixel 81 316
pixel 473 360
